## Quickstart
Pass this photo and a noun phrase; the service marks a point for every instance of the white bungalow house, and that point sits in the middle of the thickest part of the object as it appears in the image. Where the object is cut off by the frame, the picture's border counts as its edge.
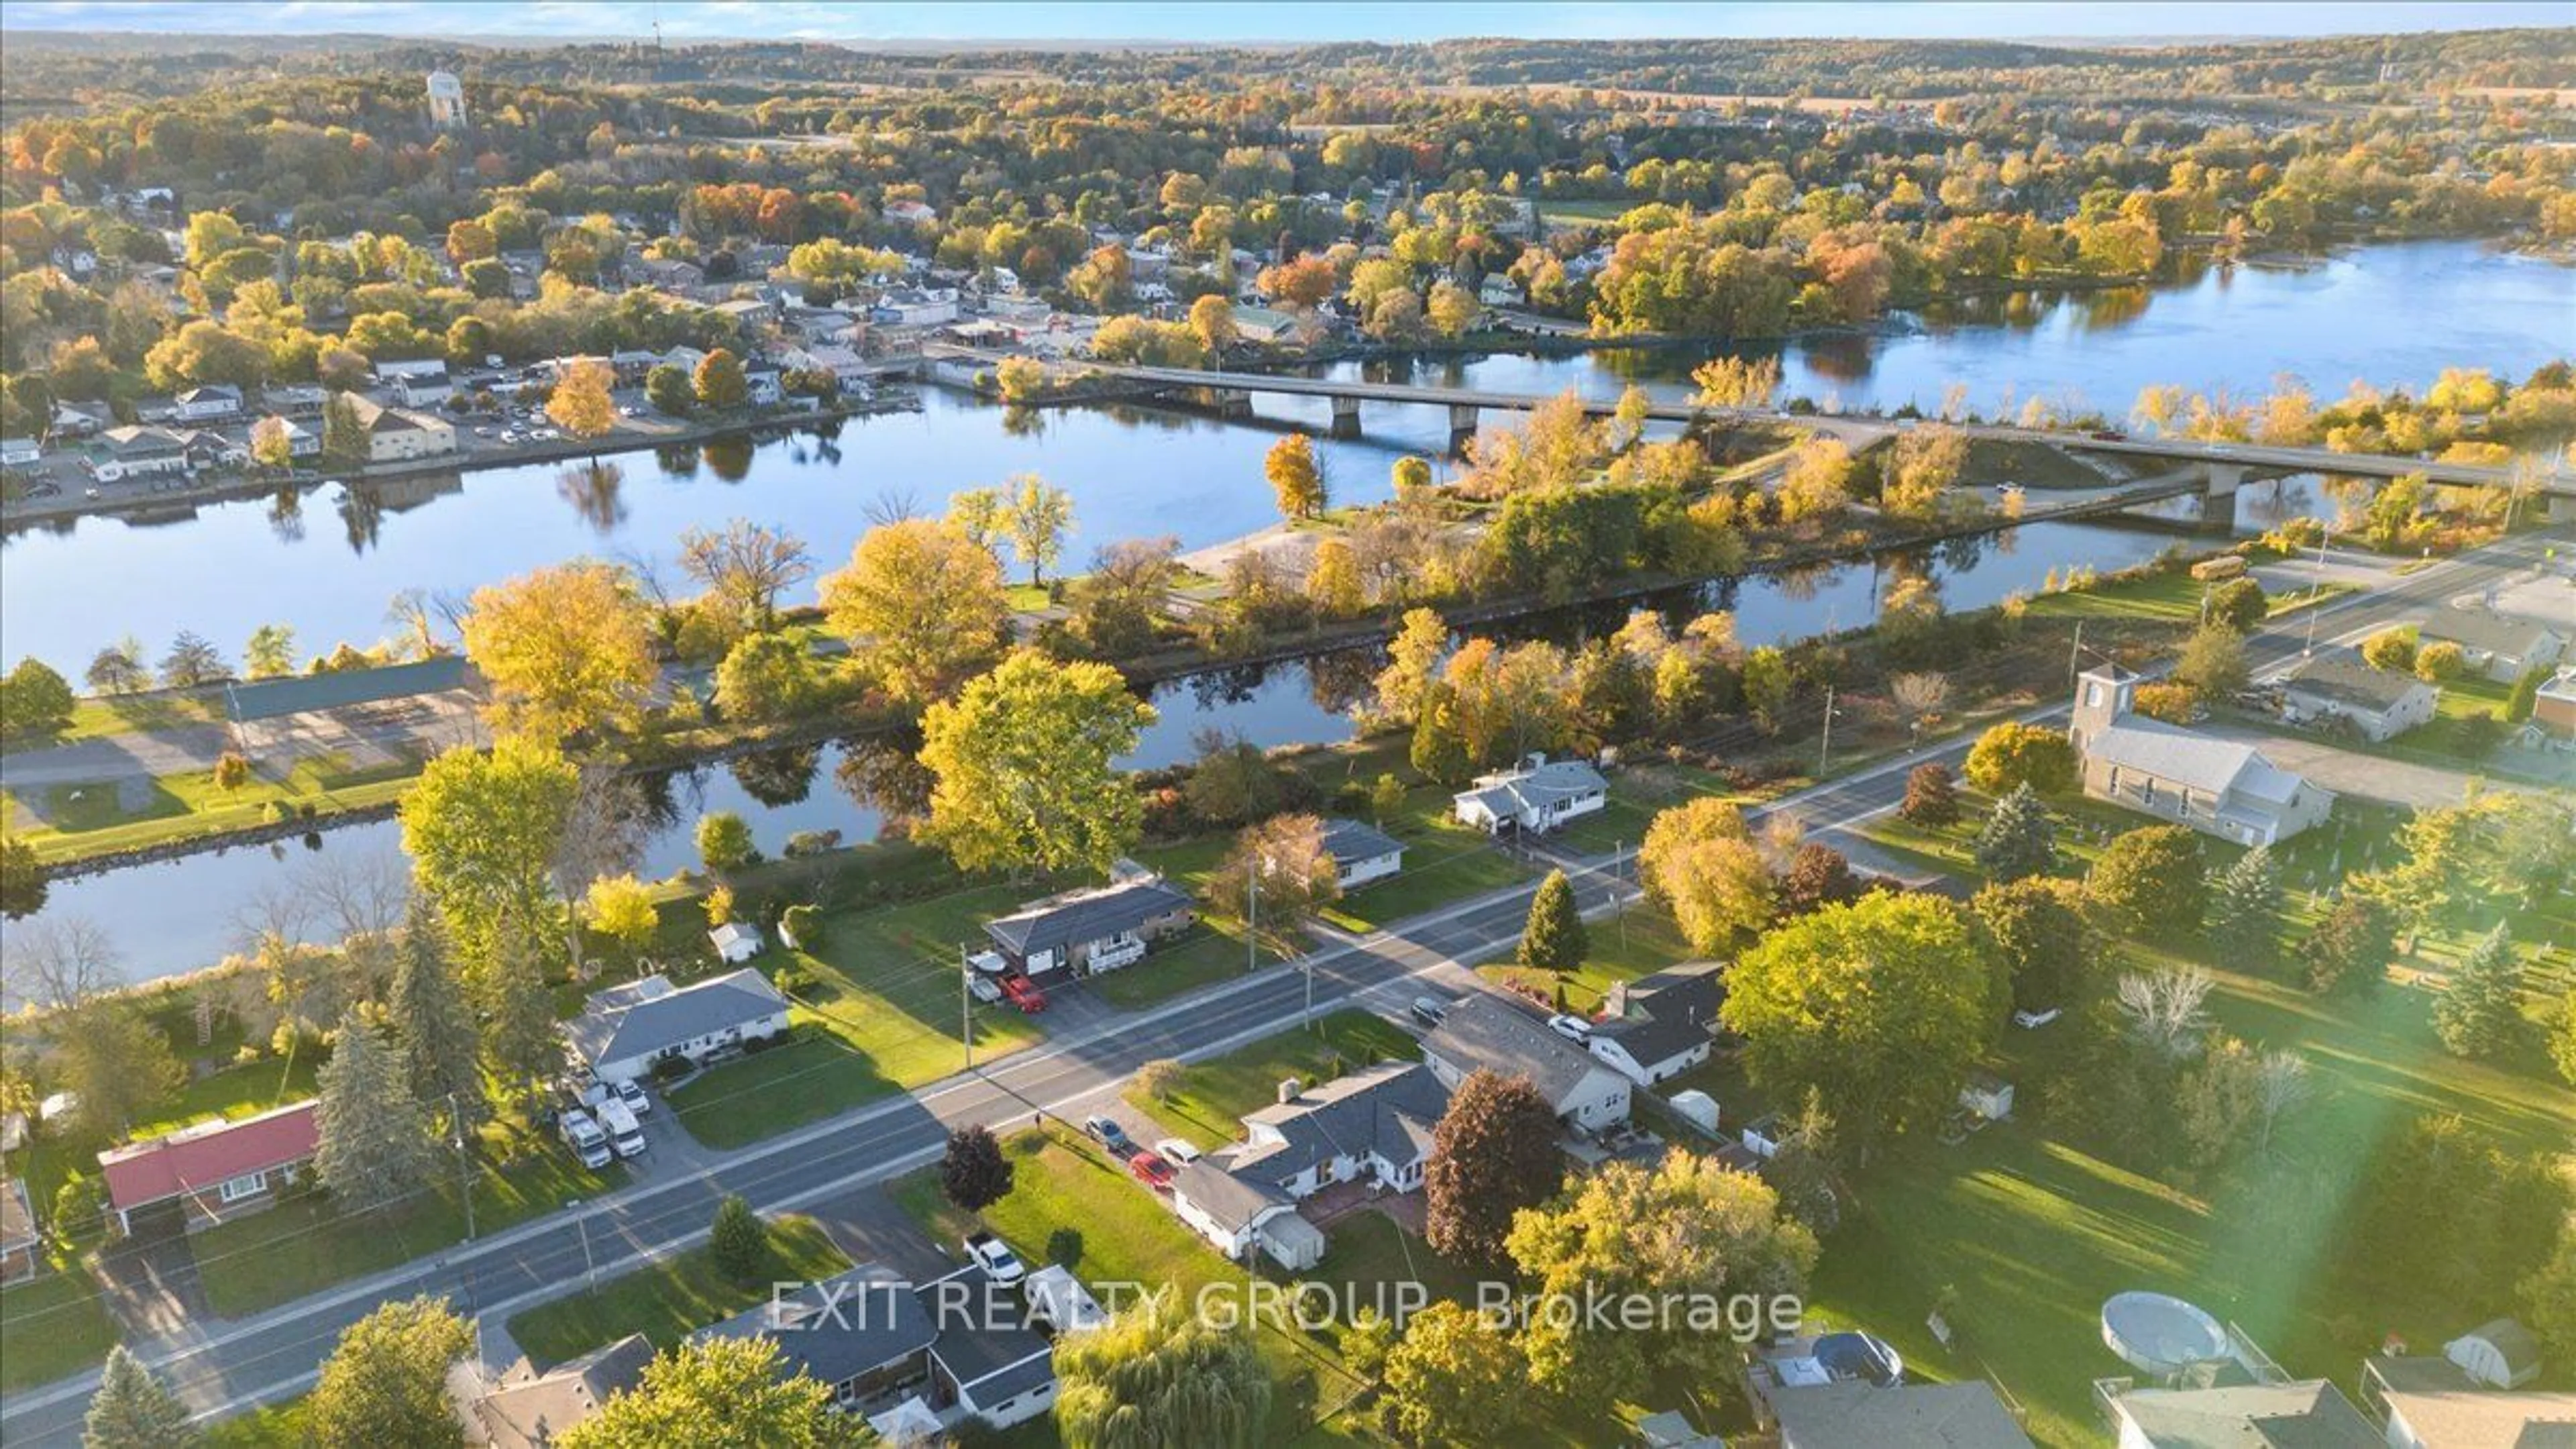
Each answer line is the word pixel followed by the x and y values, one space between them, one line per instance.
pixel 137 452
pixel 2380 704
pixel 1094 930
pixel 625 1030
pixel 1240 1215
pixel 417 384
pixel 2499 646
pixel 1361 853
pixel 1535 798
pixel 2218 787
pixel 211 403
pixel 1485 1031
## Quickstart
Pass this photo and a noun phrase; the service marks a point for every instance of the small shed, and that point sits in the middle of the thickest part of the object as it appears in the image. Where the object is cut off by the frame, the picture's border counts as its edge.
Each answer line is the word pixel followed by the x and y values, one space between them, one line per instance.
pixel 1987 1095
pixel 736 942
pixel 2500 1353
pixel 1697 1108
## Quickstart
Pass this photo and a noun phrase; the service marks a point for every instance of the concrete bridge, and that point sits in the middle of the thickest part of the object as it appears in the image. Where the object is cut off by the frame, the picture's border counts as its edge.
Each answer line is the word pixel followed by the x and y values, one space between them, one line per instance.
pixel 2224 466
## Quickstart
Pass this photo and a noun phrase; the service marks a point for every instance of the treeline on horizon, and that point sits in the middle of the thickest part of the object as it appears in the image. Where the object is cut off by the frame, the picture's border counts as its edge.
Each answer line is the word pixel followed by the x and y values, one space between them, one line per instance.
pixel 82 68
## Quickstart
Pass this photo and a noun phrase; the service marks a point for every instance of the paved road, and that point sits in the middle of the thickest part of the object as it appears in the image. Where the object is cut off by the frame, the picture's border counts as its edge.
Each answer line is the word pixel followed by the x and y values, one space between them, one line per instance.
pixel 225 1367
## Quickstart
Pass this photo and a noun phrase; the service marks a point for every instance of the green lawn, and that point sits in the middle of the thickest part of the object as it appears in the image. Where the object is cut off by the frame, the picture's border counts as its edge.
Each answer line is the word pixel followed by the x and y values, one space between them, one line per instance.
pixel 86 819
pixel 2165 598
pixel 674 1298
pixel 1637 941
pixel 1214 1094
pixel 881 1016
pixel 102 715
pixel 50 1326
pixel 304 1245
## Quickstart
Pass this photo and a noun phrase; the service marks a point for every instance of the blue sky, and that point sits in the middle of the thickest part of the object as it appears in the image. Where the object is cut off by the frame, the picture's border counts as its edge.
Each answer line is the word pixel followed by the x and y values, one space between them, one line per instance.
pixel 1215 20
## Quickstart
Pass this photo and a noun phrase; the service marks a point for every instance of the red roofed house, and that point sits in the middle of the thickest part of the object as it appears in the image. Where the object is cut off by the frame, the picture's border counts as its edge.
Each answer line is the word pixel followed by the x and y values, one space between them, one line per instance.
pixel 205 1173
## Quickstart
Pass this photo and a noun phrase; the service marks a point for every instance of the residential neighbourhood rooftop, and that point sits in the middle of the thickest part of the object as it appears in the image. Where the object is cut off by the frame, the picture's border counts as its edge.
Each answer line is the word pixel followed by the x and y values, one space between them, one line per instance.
pixel 1390 1109
pixel 2347 680
pixel 652 1015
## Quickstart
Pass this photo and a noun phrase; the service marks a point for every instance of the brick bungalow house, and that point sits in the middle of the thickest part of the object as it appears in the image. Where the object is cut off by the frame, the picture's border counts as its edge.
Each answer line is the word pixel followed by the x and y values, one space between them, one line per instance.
pixel 209 1172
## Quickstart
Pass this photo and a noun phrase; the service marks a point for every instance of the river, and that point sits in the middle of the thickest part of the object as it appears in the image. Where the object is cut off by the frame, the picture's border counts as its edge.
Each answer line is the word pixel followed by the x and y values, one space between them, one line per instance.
pixel 2392 314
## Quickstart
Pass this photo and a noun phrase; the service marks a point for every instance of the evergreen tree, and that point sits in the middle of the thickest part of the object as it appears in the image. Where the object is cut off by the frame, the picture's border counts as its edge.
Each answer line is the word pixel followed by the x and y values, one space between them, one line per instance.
pixel 739 1240
pixel 2245 912
pixel 2019 839
pixel 518 1033
pixel 344 438
pixel 2481 1012
pixel 1439 749
pixel 133 1410
pixel 1554 939
pixel 376 1144
pixel 431 1025
pixel 2350 949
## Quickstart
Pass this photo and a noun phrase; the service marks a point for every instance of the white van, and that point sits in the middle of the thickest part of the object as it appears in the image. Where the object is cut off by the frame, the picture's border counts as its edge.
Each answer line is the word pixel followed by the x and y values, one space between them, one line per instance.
pixel 623 1130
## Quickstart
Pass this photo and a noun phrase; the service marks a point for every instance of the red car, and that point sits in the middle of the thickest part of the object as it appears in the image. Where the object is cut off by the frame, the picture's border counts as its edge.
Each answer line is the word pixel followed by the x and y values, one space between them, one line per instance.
pixel 1151 1170
pixel 1024 994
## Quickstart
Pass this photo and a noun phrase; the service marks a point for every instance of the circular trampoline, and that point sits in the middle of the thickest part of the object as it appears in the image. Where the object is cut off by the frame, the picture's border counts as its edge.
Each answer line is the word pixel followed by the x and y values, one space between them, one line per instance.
pixel 2156 1333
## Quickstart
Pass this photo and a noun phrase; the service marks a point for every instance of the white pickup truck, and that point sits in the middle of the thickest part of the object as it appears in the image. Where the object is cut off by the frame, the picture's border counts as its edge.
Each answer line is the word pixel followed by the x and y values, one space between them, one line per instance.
pixel 585 1139
pixel 624 1131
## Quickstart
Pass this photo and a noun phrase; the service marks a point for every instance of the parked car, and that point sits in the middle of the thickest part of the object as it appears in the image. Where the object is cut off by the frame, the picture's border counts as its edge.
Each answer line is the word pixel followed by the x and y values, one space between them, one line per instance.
pixel 1151 1170
pixel 1109 1134
pixel 1430 1010
pixel 995 1257
pixel 1024 994
pixel 983 987
pixel 1180 1150
pixel 636 1099
pixel 1573 1028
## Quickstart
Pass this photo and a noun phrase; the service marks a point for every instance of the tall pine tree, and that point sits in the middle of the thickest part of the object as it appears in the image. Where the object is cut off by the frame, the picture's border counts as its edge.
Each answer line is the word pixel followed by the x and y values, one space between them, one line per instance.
pixel 2018 839
pixel 431 1024
pixel 2245 912
pixel 2480 1013
pixel 133 1410
pixel 1553 940
pixel 518 1033
pixel 376 1144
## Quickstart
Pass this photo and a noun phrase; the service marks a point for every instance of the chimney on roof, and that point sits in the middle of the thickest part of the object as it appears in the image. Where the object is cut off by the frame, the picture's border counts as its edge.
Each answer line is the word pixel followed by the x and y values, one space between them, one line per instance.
pixel 1290 1089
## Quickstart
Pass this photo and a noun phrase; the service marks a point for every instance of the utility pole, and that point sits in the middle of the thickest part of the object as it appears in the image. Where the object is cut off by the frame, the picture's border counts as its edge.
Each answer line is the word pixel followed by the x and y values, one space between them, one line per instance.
pixel 464 1163
pixel 1825 751
pixel 581 1222
pixel 966 1002
pixel 1251 915
pixel 2075 656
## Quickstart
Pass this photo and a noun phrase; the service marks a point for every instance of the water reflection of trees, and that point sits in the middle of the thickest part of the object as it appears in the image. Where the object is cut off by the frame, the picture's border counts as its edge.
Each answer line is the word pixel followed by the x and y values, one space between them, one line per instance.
pixel 1840 356
pixel 779 777
pixel 1343 680
pixel 882 773
pixel 728 457
pixel 596 491
pixel 2111 307
pixel 286 514
pixel 678 461
pixel 362 517
pixel 1021 421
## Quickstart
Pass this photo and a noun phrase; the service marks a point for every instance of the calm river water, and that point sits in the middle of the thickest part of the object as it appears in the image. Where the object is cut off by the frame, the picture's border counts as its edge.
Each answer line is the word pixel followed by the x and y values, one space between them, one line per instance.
pixel 2394 314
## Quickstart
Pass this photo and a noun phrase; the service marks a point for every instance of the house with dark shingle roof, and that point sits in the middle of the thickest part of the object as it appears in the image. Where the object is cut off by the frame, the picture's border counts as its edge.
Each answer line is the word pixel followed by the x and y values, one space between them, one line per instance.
pixel 1661 1025
pixel 530 1410
pixel 1241 1214
pixel 2380 704
pixel 2310 1414
pixel 625 1030
pixel 1361 853
pixel 1099 929
pixel 2499 646
pixel 956 1348
pixel 1486 1032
